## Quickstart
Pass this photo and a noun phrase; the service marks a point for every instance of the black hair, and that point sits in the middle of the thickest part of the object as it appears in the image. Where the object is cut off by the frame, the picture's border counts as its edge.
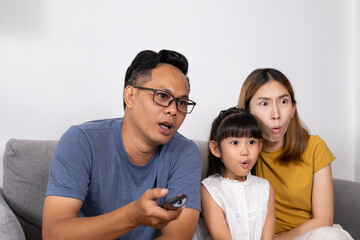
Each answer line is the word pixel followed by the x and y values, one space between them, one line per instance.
pixel 233 122
pixel 147 60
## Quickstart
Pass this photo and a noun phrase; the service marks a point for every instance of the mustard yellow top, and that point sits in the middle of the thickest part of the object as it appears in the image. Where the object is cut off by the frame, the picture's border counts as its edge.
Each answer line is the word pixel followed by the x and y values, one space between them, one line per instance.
pixel 292 182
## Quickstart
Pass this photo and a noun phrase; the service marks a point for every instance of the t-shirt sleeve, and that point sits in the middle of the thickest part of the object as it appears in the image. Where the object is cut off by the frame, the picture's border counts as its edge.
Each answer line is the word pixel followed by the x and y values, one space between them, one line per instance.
pixel 69 170
pixel 322 154
pixel 185 176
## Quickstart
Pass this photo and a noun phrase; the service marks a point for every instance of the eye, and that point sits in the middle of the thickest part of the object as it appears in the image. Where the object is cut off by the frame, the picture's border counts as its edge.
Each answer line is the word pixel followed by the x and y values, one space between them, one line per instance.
pixel 283 101
pixel 264 104
pixel 252 141
pixel 163 96
pixel 183 102
pixel 234 142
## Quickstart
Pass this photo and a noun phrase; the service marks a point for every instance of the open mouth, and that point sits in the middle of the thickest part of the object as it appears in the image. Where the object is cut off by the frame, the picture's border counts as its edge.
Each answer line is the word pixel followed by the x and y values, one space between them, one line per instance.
pixel 245 164
pixel 276 129
pixel 166 126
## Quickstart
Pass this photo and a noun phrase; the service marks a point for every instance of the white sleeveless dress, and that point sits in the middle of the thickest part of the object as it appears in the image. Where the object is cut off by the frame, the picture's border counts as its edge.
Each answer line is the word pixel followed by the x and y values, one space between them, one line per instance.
pixel 243 203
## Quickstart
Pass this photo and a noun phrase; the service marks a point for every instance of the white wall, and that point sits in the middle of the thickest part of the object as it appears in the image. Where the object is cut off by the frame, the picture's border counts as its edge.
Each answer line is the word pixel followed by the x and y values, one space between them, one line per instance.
pixel 357 87
pixel 63 62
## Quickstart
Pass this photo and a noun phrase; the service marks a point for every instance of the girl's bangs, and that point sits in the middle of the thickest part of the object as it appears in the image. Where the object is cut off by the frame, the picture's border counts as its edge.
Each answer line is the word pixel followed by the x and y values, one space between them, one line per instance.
pixel 240 125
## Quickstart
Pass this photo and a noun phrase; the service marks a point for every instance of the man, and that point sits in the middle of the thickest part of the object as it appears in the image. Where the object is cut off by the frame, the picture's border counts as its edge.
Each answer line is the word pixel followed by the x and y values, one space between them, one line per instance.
pixel 107 176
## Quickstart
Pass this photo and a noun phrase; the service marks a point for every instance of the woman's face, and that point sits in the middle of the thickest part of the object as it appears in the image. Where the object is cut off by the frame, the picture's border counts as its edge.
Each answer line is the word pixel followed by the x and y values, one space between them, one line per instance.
pixel 273 108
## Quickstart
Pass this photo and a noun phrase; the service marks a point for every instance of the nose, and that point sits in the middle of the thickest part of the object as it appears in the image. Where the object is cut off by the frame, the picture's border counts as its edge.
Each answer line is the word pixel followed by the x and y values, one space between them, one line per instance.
pixel 244 150
pixel 172 108
pixel 276 112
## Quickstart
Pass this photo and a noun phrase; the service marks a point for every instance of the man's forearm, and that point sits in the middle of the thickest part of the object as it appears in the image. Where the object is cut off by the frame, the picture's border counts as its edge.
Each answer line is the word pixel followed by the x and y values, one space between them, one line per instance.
pixel 183 227
pixel 107 226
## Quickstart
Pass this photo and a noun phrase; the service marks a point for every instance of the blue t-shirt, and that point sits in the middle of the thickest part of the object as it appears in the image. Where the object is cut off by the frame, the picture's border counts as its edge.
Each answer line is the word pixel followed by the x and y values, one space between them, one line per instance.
pixel 90 164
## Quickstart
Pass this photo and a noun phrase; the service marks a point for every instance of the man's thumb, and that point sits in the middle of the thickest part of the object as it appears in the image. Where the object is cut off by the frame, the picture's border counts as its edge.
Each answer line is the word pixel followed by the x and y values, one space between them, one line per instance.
pixel 157 193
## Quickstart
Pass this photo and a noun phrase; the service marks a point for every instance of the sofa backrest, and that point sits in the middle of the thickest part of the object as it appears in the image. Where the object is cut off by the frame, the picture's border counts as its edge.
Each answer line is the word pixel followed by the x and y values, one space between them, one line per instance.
pixel 203 147
pixel 26 173
pixel 347 206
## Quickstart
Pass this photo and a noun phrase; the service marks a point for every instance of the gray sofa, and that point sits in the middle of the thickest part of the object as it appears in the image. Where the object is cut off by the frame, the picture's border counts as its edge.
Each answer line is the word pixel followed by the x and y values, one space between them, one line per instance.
pixel 25 178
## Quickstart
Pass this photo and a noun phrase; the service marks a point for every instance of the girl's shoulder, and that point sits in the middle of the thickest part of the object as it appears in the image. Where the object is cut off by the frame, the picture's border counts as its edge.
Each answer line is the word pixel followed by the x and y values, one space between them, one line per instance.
pixel 259 180
pixel 211 179
pixel 218 179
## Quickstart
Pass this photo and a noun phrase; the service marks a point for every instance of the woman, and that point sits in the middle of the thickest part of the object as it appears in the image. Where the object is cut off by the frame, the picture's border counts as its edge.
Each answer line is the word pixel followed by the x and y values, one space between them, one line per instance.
pixel 297 164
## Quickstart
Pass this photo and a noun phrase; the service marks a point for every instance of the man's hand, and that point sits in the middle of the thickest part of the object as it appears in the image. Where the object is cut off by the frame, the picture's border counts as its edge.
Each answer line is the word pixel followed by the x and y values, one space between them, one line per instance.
pixel 147 212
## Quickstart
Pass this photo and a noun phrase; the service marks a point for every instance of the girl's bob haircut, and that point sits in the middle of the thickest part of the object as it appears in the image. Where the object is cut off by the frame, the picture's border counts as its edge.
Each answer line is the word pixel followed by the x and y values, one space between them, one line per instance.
pixel 233 122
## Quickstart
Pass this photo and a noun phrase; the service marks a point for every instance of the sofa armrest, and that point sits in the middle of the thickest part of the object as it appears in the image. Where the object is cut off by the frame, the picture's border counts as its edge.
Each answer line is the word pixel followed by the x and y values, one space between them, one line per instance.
pixel 347 206
pixel 10 227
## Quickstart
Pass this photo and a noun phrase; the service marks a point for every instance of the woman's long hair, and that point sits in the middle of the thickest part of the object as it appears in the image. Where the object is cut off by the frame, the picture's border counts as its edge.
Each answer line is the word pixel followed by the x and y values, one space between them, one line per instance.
pixel 297 134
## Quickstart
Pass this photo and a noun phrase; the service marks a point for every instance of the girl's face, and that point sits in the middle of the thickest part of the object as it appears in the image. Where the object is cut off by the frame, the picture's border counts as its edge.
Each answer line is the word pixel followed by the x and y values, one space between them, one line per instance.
pixel 239 155
pixel 272 107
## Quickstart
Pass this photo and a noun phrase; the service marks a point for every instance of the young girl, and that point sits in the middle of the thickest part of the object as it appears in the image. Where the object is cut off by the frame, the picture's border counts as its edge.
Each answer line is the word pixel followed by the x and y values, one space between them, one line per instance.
pixel 234 203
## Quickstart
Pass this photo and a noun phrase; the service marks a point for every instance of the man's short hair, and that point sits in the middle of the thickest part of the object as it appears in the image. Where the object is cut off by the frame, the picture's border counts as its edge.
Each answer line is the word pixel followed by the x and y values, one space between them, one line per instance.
pixel 145 61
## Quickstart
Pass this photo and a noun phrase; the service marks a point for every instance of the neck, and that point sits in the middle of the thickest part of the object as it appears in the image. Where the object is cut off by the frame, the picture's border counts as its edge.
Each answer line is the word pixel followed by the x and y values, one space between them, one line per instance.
pixel 272 146
pixel 139 151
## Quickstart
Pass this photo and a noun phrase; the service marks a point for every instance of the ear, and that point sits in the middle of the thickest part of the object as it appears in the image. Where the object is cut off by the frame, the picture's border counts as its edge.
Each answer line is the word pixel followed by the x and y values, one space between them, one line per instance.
pixel 129 96
pixel 260 144
pixel 214 149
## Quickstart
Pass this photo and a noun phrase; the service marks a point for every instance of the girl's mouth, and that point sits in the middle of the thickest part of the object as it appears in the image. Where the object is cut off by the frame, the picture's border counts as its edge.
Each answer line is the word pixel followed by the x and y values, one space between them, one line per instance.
pixel 245 164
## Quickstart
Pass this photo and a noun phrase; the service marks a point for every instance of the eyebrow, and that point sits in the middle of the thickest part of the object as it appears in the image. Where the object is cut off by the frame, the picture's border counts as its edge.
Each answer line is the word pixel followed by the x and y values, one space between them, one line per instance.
pixel 281 96
pixel 169 91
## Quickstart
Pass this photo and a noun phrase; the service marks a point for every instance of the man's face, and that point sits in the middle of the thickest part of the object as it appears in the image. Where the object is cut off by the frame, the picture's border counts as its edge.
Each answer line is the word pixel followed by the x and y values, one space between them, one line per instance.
pixel 156 124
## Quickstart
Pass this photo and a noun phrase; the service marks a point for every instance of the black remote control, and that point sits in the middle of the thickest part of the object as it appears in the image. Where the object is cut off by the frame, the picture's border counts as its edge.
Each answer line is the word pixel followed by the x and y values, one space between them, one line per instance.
pixel 174 202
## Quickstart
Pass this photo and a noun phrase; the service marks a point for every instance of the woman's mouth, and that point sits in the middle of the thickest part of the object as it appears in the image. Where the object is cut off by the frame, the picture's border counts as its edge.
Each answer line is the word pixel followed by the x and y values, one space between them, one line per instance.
pixel 276 130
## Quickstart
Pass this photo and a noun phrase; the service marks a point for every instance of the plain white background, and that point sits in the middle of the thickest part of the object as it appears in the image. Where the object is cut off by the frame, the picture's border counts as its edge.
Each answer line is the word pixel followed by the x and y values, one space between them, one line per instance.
pixel 63 62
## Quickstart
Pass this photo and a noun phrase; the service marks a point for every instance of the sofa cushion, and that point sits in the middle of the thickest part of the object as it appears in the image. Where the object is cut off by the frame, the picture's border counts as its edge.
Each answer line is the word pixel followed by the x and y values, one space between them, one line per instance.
pixel 347 206
pixel 26 167
pixel 10 228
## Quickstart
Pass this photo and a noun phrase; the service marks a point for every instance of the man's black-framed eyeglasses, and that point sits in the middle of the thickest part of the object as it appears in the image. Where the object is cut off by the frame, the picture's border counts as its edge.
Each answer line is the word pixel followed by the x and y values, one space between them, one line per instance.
pixel 164 99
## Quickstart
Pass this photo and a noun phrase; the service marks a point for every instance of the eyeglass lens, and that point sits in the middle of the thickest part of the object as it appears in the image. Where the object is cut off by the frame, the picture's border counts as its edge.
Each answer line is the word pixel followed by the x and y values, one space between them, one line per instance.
pixel 165 99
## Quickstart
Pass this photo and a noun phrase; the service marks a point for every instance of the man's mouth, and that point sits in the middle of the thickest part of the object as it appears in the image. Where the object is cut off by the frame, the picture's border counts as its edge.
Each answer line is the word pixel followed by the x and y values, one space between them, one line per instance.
pixel 165 126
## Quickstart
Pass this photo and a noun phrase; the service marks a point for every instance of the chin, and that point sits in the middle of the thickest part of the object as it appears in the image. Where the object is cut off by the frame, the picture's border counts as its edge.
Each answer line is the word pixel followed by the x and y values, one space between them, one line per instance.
pixel 163 140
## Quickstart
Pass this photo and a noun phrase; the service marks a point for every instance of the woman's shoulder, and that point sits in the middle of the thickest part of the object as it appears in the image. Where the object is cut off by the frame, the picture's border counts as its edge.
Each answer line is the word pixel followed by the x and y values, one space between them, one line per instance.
pixel 316 142
pixel 315 139
pixel 318 153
